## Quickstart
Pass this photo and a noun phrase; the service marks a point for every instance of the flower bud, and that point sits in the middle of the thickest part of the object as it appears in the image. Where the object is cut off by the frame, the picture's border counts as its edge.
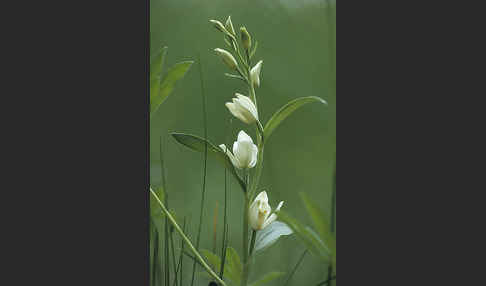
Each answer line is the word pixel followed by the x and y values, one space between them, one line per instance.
pixel 243 108
pixel 255 73
pixel 218 25
pixel 227 57
pixel 245 38
pixel 229 26
pixel 244 154
pixel 259 214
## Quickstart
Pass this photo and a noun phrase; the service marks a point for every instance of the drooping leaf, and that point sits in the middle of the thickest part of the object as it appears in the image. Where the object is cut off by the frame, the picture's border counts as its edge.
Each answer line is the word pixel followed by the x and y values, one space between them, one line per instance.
pixel 286 110
pixel 198 144
pixel 270 234
pixel 267 278
pixel 174 74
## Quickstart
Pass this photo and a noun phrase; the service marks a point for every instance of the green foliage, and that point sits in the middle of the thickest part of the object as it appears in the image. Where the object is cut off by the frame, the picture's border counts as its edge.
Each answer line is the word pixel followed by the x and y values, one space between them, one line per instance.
pixel 199 144
pixel 162 87
pixel 233 268
pixel 287 110
pixel 321 243
pixel 267 278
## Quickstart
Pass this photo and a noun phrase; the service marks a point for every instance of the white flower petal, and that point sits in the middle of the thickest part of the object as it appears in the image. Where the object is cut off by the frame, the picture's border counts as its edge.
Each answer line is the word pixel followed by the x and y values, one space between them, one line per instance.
pixel 242 136
pixel 269 220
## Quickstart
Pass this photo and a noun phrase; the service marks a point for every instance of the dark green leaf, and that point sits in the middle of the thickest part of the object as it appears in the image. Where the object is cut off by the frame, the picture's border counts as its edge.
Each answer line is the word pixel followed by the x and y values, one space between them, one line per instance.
pixel 286 110
pixel 199 144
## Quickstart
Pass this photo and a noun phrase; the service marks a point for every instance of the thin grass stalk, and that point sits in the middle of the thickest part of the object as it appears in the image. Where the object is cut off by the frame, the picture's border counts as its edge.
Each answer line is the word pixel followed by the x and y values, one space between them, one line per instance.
pixel 205 164
pixel 166 223
pixel 187 241
pixel 181 255
pixel 295 267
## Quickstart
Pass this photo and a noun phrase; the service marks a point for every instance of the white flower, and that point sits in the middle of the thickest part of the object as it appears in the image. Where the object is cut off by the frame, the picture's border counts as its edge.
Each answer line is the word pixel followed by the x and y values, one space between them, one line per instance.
pixel 243 108
pixel 244 152
pixel 255 73
pixel 260 215
pixel 227 57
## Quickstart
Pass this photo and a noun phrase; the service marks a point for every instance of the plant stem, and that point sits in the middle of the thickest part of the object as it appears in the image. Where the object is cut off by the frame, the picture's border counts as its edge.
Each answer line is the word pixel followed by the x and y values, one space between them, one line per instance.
pixel 246 206
pixel 252 243
pixel 193 249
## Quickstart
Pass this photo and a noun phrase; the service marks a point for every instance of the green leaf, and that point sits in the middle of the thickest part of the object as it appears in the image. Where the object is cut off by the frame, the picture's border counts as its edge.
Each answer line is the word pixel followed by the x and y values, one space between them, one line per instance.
pixel 310 239
pixel 167 85
pixel 321 223
pixel 156 67
pixel 198 144
pixel 212 258
pixel 286 110
pixel 270 234
pixel 234 268
pixel 267 278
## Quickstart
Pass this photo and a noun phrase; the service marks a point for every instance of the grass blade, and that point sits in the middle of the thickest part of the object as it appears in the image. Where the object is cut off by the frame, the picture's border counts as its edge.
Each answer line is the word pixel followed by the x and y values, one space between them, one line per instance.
pixel 295 267
pixel 205 165
pixel 187 241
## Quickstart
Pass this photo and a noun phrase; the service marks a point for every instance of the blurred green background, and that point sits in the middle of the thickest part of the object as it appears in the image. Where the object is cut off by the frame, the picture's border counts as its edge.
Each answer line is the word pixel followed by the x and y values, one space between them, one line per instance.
pixel 296 40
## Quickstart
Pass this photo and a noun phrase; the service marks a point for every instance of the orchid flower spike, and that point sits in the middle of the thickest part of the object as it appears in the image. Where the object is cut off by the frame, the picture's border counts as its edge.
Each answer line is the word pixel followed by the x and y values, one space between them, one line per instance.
pixel 260 215
pixel 244 154
pixel 243 108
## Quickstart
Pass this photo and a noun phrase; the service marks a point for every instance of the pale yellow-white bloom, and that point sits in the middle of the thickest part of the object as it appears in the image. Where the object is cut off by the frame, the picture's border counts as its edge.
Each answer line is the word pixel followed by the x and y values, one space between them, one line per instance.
pixel 255 73
pixel 227 57
pixel 243 108
pixel 260 213
pixel 244 154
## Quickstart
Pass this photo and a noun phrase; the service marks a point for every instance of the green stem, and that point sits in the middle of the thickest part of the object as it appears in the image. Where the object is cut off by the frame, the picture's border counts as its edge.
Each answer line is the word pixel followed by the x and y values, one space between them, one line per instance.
pixel 193 249
pixel 246 207
pixel 252 243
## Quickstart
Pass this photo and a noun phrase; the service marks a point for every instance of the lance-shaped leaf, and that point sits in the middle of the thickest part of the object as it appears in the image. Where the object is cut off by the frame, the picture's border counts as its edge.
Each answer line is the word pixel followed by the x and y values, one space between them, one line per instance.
pixel 310 239
pixel 199 144
pixel 174 74
pixel 270 234
pixel 286 110
pixel 321 223
pixel 267 278
pixel 156 67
